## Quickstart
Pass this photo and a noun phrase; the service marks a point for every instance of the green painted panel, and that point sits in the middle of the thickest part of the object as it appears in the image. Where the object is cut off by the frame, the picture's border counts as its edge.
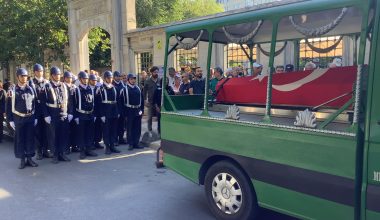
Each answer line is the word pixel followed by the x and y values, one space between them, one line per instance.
pixel 184 102
pixel 298 204
pixel 373 164
pixel 372 215
pixel 186 168
pixel 326 153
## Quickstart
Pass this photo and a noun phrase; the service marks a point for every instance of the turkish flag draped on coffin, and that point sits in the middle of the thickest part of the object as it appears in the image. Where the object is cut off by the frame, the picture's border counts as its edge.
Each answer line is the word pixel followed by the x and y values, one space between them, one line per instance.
pixel 302 88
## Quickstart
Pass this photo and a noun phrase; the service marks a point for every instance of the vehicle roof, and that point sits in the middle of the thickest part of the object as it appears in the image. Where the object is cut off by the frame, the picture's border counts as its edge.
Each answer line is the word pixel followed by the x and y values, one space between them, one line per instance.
pixel 241 22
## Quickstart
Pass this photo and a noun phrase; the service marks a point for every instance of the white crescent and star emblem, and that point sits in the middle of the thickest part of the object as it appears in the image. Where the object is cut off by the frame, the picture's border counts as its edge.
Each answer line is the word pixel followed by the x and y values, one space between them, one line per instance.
pixel 296 84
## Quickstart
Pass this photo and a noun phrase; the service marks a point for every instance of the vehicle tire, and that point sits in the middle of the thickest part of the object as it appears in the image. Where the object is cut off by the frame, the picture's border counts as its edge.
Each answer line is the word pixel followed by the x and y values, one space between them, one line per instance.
pixel 230 194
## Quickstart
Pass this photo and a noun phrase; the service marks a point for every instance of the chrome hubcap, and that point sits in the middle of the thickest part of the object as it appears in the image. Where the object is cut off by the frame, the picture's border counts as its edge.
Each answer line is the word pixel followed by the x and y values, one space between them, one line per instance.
pixel 227 193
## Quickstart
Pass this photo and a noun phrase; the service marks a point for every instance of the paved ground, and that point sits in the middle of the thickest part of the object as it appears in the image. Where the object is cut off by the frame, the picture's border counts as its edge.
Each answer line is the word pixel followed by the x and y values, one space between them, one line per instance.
pixel 123 186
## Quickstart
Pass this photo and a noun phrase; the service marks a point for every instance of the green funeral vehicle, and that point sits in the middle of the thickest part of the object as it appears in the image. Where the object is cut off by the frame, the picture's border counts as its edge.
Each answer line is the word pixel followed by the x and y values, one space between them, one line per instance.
pixel 305 143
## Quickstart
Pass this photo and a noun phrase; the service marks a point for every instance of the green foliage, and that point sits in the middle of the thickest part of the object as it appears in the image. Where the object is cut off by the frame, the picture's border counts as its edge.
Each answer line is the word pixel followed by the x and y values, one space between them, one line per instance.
pixel 37 30
pixel 99 44
pixel 154 12
pixel 30 28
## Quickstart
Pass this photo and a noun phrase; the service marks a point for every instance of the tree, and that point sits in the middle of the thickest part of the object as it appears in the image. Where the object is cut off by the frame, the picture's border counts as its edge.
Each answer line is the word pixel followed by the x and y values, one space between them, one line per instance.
pixel 32 27
pixel 99 44
pixel 155 12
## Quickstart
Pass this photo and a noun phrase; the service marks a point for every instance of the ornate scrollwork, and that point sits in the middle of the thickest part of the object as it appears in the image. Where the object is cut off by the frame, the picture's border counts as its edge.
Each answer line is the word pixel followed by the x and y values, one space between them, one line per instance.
pixel 316 32
pixel 189 46
pixel 233 112
pixel 266 53
pixel 245 39
pixel 324 50
pixel 306 119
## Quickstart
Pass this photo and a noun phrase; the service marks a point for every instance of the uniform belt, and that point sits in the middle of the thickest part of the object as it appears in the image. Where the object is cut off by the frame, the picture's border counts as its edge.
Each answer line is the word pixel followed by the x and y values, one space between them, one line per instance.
pixel 84 112
pixel 54 105
pixel 24 115
pixel 133 106
pixel 109 102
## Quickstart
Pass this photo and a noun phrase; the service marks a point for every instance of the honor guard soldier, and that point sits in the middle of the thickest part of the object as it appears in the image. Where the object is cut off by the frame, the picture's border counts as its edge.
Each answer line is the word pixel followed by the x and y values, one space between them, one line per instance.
pixel 68 80
pixel 59 113
pixel 119 85
pixel 84 115
pixel 107 111
pixel 21 107
pixel 38 83
pixel 97 136
pixel 3 97
pixel 133 103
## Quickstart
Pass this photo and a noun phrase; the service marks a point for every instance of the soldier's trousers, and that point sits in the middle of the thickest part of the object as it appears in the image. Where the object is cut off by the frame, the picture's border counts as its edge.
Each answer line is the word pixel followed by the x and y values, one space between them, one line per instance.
pixel 85 135
pixel 98 130
pixel 120 127
pixel 59 131
pixel 24 140
pixel 133 130
pixel 110 131
pixel 72 134
pixel 41 132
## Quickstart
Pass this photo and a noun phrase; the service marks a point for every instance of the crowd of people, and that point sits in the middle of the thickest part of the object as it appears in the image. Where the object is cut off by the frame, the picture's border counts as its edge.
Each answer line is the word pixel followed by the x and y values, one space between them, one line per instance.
pixel 69 113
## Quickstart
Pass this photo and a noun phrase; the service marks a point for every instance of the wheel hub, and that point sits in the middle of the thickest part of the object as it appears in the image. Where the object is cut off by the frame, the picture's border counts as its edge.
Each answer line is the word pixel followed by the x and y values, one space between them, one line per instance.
pixel 227 193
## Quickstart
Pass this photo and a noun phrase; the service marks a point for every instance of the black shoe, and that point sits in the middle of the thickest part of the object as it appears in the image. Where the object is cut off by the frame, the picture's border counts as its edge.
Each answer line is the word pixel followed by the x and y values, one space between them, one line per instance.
pixel 91 153
pixel 75 149
pixel 114 150
pixel 108 150
pixel 130 147
pixel 47 155
pixel 98 146
pixel 138 147
pixel 116 144
pixel 82 155
pixel 63 157
pixel 22 164
pixel 55 160
pixel 122 141
pixel 30 162
pixel 39 156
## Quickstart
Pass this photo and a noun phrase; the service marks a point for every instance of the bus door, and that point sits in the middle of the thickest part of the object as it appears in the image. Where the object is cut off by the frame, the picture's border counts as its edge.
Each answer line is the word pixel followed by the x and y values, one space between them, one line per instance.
pixel 372 211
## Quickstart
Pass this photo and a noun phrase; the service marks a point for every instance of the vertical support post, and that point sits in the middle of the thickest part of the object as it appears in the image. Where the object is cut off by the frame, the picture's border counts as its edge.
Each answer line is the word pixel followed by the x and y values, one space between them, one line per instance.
pixel 164 92
pixel 250 46
pixel 296 54
pixel 355 41
pixel 209 54
pixel 360 63
pixel 359 192
pixel 267 117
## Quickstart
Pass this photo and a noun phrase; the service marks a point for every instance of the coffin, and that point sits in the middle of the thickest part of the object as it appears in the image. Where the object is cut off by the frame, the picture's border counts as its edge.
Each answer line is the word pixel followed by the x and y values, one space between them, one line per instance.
pixel 301 89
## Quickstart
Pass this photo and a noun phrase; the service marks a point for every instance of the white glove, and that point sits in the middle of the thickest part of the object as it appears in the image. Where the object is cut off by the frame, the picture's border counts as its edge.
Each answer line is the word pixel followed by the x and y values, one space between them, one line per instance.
pixel 48 119
pixel 94 119
pixel 35 122
pixel 69 117
pixel 12 124
pixel 118 116
pixel 140 112
pixel 77 121
pixel 103 119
